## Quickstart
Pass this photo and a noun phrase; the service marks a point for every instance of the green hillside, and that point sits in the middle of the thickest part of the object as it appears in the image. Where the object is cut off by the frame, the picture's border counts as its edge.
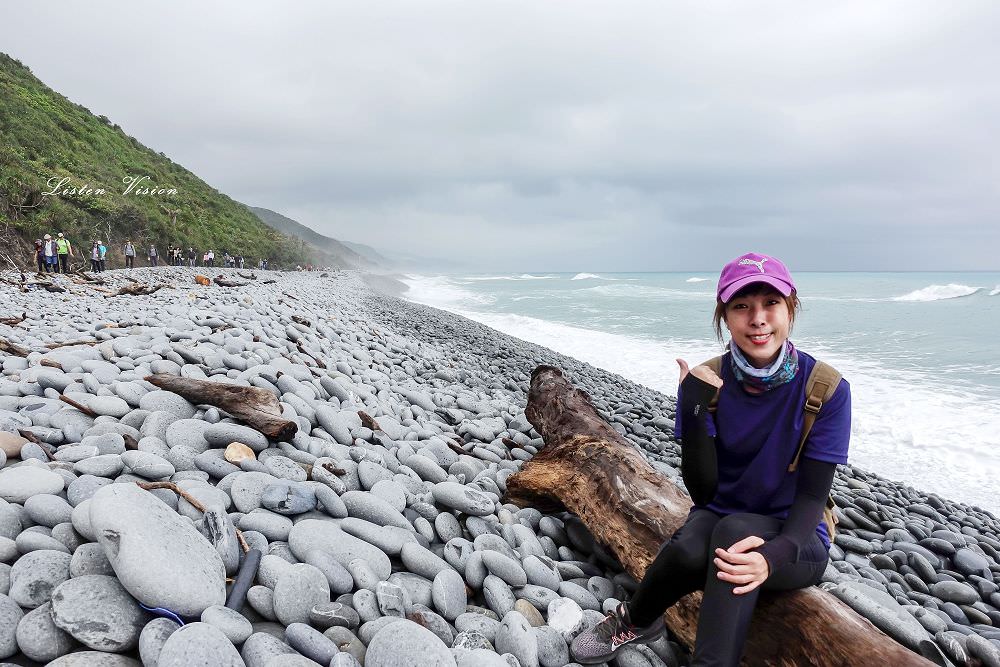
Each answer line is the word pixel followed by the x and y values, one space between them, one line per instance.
pixel 45 138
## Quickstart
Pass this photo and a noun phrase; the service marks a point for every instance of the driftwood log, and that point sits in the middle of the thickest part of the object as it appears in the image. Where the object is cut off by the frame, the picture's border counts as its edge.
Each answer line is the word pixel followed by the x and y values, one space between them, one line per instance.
pixel 587 468
pixel 225 282
pixel 257 407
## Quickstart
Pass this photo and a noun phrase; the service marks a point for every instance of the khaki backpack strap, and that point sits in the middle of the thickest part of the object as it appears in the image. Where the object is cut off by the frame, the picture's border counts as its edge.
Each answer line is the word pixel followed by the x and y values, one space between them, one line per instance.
pixel 820 387
pixel 715 363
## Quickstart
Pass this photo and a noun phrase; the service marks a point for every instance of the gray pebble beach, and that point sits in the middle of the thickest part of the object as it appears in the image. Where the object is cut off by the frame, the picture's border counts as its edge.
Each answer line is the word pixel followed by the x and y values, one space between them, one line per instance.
pixel 384 544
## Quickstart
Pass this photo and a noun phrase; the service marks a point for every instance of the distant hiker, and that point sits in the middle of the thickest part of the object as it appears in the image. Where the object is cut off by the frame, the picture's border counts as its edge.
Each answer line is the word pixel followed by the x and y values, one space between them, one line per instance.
pixel 39 254
pixel 129 254
pixel 239 261
pixel 104 253
pixel 65 250
pixel 50 249
pixel 227 260
pixel 191 257
pixel 210 258
pixel 152 255
pixel 95 257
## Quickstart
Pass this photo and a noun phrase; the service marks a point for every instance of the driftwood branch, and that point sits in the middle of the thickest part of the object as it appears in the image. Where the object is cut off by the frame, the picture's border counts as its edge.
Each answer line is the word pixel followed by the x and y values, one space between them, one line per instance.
pixel 223 282
pixel 13 348
pixel 257 407
pixel 589 469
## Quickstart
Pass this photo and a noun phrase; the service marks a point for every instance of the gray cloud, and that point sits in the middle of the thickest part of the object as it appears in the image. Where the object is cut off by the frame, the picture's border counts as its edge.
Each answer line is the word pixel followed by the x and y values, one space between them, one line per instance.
pixel 548 136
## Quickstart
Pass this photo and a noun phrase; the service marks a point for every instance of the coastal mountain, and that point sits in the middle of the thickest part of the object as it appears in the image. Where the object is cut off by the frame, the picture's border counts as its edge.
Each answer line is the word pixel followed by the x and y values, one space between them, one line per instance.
pixel 328 251
pixel 64 169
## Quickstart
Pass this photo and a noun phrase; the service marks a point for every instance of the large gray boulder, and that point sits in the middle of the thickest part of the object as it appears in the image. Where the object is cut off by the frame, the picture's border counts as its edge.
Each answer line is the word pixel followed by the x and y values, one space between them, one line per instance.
pixel 159 557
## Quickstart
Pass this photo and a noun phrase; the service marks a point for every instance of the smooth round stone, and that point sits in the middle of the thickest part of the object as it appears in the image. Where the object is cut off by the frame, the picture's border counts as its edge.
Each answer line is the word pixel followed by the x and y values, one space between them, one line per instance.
pixel 422 561
pixel 954 591
pixel 552 650
pixel 89 558
pixel 579 594
pixel 35 575
pixel 39 638
pixel 222 434
pixel 330 614
pixel 98 612
pixel 337 575
pixel 237 452
pixel 389 539
pixel 271 525
pixel 248 488
pixel 566 617
pixel 505 567
pixel 152 638
pixel 883 611
pixel 311 643
pixel 188 433
pixel 10 617
pixel 449 594
pixel 107 443
pixel 364 505
pixel 111 406
pixel 213 461
pixel 84 487
pixel 309 534
pixel 498 595
pixel 261 648
pixel 297 591
pixel 147 465
pixel 199 645
pixel 105 465
pixel 261 600
pixel 283 467
pixel 19 483
pixel 462 498
pixel 391 492
pixel 11 444
pixel 542 572
pixel 515 636
pixel 288 498
pixel 233 624
pixel 404 643
pixel 534 616
pixel 537 595
pixel 34 539
pixel 74 453
pixel 48 510
pixel 94 659
pixel 969 562
pixel 160 557
pixel 165 401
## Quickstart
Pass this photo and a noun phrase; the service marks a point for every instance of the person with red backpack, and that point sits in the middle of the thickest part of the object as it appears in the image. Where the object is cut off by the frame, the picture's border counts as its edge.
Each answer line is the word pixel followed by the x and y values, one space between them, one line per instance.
pixel 762 429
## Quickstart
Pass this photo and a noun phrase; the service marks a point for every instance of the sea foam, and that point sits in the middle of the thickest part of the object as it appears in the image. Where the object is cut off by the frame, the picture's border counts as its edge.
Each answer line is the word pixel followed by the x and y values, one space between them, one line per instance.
pixel 939 292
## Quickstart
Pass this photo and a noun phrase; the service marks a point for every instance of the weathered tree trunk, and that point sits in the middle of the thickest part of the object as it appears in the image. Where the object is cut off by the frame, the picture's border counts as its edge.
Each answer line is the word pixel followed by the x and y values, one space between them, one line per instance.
pixel 257 407
pixel 589 469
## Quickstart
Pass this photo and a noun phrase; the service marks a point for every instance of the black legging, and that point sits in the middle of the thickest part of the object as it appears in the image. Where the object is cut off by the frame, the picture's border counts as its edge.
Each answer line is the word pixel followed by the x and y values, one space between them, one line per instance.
pixel 686 563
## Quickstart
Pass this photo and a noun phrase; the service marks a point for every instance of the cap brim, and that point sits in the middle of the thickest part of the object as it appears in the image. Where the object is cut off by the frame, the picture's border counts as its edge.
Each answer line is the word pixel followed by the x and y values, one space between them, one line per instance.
pixel 736 286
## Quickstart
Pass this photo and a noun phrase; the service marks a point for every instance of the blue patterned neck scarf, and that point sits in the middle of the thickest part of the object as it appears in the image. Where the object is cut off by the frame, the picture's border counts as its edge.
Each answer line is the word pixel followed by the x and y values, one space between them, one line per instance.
pixel 764 379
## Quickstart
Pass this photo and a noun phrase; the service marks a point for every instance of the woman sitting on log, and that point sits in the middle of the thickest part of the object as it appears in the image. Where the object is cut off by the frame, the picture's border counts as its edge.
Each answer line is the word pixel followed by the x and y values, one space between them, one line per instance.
pixel 758 499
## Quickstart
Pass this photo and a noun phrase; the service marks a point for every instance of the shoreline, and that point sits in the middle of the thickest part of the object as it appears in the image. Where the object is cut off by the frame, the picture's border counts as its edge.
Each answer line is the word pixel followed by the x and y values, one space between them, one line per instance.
pixel 426 376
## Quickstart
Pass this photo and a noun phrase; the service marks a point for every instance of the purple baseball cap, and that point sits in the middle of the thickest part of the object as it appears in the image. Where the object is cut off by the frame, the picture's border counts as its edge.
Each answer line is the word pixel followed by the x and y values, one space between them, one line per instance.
pixel 753 268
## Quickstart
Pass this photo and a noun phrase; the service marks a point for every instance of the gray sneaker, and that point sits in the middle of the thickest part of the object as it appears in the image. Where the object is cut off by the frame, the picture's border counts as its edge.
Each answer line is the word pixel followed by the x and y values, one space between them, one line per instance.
pixel 602 642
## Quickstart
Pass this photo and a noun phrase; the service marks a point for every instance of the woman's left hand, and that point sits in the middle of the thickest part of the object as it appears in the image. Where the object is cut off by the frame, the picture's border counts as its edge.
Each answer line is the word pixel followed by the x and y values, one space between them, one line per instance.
pixel 738 565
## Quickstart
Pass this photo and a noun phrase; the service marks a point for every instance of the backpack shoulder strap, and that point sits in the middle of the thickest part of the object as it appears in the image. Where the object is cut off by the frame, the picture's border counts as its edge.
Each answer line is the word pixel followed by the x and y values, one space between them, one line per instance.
pixel 820 387
pixel 715 363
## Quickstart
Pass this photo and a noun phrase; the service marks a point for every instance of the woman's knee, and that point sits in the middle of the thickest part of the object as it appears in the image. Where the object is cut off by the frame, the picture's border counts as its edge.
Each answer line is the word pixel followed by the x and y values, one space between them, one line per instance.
pixel 685 556
pixel 734 527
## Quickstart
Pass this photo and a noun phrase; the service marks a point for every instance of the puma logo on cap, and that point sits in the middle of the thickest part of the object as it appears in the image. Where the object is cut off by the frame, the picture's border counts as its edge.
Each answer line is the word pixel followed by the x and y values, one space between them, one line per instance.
pixel 758 264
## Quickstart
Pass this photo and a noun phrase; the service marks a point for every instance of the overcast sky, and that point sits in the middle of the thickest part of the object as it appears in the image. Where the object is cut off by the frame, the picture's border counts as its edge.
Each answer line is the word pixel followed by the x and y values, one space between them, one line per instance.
pixel 566 135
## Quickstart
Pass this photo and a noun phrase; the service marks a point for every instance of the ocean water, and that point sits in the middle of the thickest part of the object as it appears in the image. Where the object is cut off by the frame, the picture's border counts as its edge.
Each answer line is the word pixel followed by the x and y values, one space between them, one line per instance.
pixel 919 349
